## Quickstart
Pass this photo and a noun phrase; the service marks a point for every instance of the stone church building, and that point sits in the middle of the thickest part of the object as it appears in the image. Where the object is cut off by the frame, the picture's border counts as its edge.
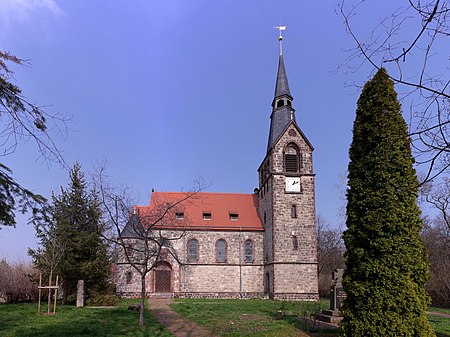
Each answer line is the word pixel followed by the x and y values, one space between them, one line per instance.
pixel 228 245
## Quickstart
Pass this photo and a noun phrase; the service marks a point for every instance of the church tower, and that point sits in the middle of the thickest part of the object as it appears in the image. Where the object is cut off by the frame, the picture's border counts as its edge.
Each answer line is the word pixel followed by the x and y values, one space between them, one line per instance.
pixel 287 201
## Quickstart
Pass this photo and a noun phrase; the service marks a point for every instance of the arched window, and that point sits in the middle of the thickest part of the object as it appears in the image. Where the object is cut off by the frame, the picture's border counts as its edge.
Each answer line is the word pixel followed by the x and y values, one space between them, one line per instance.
pixel 192 250
pixel 129 250
pixel 291 159
pixel 129 277
pixel 293 211
pixel 248 251
pixel 294 242
pixel 221 250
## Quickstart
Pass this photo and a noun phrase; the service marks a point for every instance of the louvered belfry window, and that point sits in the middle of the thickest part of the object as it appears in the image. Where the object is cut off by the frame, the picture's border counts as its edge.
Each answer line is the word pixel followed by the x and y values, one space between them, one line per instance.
pixel 291 162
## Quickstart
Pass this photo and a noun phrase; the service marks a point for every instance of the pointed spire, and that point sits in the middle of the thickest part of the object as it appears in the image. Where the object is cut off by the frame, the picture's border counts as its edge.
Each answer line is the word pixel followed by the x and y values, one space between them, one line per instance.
pixel 283 112
pixel 282 85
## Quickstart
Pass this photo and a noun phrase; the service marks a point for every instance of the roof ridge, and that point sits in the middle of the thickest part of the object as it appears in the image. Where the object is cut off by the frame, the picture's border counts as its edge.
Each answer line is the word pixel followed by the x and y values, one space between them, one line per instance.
pixel 223 193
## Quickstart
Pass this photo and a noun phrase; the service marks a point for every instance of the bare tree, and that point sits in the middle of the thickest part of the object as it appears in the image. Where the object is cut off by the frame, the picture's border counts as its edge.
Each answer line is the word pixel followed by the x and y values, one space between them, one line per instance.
pixel 15 282
pixel 330 253
pixel 438 195
pixel 51 247
pixel 412 42
pixel 22 121
pixel 436 236
pixel 140 235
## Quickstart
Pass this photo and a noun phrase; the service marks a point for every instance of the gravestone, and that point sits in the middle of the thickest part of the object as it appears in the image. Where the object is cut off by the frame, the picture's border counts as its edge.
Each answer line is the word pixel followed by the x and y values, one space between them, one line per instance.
pixel 80 293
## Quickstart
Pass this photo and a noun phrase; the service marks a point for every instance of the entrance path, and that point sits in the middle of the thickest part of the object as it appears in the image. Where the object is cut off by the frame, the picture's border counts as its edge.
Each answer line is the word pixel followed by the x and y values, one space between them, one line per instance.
pixel 177 325
pixel 438 314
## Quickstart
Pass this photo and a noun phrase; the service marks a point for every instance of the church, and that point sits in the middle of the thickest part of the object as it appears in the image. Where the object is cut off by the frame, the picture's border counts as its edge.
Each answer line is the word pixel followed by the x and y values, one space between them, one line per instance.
pixel 229 245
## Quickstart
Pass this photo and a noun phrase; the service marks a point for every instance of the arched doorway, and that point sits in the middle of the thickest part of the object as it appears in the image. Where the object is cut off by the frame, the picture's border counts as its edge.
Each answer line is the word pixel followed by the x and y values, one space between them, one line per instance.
pixel 163 277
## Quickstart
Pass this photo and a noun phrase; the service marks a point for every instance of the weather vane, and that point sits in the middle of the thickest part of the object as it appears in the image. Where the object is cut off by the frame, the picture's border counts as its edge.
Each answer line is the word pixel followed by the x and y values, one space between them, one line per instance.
pixel 280 37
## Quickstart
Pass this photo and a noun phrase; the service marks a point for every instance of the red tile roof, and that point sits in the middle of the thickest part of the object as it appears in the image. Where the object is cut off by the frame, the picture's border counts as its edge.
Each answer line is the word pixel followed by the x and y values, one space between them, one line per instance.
pixel 166 205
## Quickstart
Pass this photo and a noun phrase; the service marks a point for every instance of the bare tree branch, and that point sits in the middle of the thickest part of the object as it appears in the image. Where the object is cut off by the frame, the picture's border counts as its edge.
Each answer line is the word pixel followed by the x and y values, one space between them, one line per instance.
pixel 141 236
pixel 417 66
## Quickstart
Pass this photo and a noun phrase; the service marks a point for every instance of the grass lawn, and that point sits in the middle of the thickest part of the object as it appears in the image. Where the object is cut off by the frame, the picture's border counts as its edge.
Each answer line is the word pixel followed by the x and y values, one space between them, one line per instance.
pixel 265 318
pixel 22 320
pixel 252 317
pixel 440 325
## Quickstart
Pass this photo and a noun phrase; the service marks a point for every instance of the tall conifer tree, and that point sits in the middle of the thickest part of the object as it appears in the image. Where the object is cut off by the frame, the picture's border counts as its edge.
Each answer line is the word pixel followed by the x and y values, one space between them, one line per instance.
pixel 71 238
pixel 387 266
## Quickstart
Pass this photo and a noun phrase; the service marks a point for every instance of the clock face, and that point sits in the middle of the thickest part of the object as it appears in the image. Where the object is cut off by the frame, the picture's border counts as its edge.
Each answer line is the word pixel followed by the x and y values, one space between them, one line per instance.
pixel 292 184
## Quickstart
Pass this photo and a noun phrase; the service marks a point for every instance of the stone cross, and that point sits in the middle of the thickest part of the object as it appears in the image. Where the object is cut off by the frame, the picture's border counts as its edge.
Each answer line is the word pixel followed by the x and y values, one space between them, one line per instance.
pixel 336 276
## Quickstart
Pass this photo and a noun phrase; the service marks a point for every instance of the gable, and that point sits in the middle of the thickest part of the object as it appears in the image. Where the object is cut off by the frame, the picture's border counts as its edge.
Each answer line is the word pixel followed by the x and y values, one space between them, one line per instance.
pixel 294 124
pixel 282 133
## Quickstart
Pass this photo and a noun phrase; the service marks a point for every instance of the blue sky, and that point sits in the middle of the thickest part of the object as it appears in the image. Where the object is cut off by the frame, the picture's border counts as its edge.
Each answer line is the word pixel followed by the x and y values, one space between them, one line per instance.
pixel 167 91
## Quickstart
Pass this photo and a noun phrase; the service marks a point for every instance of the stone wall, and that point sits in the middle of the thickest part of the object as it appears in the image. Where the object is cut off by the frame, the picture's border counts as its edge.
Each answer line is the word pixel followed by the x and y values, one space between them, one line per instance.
pixel 265 194
pixel 298 278
pixel 293 260
pixel 205 277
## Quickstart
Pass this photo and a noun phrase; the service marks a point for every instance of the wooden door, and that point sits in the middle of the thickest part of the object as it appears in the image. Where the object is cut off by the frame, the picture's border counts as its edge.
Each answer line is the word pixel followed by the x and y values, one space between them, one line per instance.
pixel 163 281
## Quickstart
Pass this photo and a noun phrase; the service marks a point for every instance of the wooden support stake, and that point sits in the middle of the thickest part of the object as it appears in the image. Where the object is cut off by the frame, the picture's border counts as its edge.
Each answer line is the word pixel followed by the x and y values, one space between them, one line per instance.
pixel 56 293
pixel 50 287
pixel 39 291
pixel 49 292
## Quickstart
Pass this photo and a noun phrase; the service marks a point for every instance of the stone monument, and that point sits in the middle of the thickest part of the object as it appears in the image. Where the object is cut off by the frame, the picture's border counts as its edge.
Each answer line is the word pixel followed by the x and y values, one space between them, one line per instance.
pixel 337 293
pixel 80 293
pixel 337 297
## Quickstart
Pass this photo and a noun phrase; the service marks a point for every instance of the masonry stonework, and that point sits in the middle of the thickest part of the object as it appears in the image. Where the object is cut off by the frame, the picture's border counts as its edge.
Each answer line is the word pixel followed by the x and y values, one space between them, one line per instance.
pixel 206 276
pixel 291 267
pixel 278 220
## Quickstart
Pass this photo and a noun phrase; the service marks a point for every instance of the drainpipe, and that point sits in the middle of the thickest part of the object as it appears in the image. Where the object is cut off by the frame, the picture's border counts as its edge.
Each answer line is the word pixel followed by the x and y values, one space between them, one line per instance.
pixel 240 261
pixel 184 265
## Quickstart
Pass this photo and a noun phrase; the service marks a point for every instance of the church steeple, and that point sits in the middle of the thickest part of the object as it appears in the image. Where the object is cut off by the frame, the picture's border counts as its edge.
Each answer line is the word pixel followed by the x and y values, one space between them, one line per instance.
pixel 282 85
pixel 286 201
pixel 282 110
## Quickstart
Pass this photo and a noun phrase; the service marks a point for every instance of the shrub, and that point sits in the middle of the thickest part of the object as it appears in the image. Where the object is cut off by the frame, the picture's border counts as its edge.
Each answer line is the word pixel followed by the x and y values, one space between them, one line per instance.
pixel 15 282
pixel 71 299
pixel 103 300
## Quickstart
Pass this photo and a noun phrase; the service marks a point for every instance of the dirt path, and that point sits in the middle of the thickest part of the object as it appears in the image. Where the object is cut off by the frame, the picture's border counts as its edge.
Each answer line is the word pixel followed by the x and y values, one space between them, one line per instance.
pixel 439 314
pixel 177 325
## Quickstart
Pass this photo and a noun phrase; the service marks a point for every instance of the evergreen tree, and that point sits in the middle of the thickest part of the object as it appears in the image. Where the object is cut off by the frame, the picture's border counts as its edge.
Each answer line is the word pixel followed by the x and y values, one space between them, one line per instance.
pixel 71 238
pixel 387 266
pixel 22 121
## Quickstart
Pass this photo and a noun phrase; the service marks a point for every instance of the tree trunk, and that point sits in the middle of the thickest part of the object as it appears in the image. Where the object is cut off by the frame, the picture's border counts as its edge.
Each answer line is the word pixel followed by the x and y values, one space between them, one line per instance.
pixel 142 307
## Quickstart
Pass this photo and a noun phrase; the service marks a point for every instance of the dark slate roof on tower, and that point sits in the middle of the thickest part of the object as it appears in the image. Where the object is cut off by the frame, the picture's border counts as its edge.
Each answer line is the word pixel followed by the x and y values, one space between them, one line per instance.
pixel 279 121
pixel 282 85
